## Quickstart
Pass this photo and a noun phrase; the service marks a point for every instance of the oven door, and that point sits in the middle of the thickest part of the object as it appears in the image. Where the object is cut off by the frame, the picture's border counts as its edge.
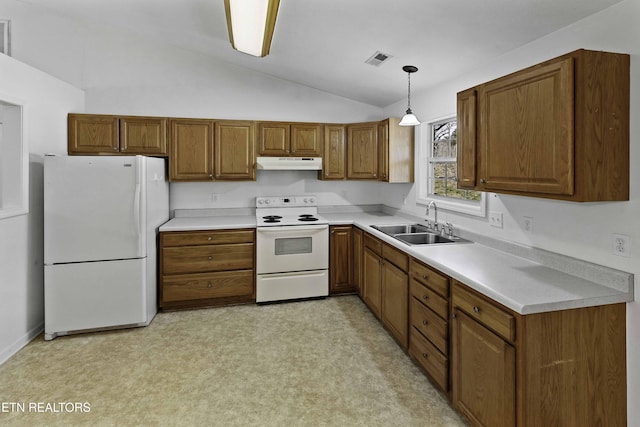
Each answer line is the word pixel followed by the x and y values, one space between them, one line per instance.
pixel 292 248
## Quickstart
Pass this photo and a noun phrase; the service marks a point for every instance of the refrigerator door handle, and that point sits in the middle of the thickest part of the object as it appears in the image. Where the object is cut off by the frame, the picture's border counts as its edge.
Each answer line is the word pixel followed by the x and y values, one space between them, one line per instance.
pixel 136 215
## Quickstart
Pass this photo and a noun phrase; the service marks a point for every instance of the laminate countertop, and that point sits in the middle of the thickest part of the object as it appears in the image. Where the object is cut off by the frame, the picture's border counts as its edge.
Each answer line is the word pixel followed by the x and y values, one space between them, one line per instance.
pixel 523 285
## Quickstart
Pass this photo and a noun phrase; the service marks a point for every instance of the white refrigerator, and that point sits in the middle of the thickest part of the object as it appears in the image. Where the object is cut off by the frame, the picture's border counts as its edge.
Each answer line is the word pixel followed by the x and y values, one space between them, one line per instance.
pixel 101 217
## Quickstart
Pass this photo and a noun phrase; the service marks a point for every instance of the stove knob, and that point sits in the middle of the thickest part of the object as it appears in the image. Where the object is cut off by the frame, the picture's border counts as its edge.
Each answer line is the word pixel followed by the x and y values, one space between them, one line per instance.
pixel 312 200
pixel 267 201
pixel 260 202
pixel 306 200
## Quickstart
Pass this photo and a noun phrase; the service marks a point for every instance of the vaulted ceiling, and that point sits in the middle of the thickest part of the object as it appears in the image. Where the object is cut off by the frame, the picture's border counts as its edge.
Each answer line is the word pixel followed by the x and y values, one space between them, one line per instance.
pixel 324 43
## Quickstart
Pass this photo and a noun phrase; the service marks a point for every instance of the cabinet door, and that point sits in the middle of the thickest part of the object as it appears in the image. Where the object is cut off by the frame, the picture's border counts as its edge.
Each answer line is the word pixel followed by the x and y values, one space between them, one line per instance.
pixel 306 139
pixel 91 134
pixel 371 278
pixel 191 156
pixel 395 297
pixel 483 374
pixel 340 256
pixel 526 131
pixel 357 260
pixel 273 139
pixel 362 151
pixel 234 150
pixel 333 160
pixel 467 139
pixel 383 150
pixel 143 135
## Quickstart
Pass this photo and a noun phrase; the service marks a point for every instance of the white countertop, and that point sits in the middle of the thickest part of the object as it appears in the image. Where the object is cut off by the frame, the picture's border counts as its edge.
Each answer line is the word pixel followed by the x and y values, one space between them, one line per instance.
pixel 522 285
pixel 209 223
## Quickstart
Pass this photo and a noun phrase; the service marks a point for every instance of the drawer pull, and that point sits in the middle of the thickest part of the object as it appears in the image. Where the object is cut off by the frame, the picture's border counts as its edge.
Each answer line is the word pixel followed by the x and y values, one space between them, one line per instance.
pixel 425 355
pixel 425 322
pixel 209 258
pixel 476 309
pixel 209 238
pixel 425 296
pixel 425 277
pixel 209 285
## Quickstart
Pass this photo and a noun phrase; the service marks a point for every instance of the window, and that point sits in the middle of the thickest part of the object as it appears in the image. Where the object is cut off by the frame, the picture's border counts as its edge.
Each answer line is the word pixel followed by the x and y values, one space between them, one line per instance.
pixel 439 173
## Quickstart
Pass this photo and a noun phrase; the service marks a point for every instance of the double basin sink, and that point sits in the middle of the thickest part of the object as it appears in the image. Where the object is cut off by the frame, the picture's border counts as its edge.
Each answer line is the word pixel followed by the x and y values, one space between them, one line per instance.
pixel 417 234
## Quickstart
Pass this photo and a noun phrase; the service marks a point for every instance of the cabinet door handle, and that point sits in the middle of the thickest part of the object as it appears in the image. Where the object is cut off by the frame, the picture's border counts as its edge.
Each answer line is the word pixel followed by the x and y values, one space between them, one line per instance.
pixel 482 181
pixel 209 285
pixel 476 309
pixel 425 322
pixel 209 238
pixel 425 355
pixel 209 258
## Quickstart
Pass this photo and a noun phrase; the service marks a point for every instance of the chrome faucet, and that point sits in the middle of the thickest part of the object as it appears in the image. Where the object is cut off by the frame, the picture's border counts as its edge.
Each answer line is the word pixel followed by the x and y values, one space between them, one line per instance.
pixel 435 214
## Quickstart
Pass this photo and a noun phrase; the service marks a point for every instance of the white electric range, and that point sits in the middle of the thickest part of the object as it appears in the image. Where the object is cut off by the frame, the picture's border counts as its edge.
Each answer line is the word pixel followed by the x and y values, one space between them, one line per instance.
pixel 292 249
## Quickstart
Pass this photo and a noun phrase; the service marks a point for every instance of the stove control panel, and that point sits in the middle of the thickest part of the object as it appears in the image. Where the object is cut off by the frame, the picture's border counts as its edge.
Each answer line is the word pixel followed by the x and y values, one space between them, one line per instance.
pixel 286 201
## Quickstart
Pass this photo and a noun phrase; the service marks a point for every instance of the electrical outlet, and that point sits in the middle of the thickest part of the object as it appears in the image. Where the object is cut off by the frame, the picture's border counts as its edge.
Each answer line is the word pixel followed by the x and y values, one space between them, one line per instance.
pixel 495 219
pixel 621 244
pixel 527 224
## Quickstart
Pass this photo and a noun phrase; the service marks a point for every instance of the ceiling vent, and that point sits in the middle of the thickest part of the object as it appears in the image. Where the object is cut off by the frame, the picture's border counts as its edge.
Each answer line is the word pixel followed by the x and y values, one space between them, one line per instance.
pixel 377 58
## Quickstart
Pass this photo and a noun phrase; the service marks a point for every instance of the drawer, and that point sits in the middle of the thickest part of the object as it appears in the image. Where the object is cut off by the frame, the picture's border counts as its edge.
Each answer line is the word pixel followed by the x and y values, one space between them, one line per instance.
pixel 198 259
pixel 372 243
pixel 500 321
pixel 427 356
pixel 396 257
pixel 210 285
pixel 212 237
pixel 430 298
pixel 430 325
pixel 428 276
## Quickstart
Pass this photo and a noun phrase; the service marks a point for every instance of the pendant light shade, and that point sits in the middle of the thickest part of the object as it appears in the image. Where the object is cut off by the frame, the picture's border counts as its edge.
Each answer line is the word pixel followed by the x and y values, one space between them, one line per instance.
pixel 251 24
pixel 409 119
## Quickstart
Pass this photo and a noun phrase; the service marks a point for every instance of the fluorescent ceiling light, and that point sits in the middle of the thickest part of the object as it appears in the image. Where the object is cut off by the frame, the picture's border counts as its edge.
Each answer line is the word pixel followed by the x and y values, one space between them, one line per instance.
pixel 251 24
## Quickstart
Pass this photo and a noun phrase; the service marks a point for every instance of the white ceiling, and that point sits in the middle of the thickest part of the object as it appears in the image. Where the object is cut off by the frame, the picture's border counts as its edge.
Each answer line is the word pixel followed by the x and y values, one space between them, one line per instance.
pixel 324 43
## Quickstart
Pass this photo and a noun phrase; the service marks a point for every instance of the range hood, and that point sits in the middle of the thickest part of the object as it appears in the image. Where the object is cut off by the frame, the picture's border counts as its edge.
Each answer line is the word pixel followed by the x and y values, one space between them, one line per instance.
pixel 289 163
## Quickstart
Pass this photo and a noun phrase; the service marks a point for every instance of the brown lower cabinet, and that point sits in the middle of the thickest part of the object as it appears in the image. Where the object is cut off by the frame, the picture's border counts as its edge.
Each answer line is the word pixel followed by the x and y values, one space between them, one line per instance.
pixel 498 367
pixel 341 270
pixel 206 268
pixel 564 368
pixel 386 286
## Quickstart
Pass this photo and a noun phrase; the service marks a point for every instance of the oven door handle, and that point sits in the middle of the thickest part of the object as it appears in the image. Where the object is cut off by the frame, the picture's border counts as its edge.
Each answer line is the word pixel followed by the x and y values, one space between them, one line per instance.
pixel 292 228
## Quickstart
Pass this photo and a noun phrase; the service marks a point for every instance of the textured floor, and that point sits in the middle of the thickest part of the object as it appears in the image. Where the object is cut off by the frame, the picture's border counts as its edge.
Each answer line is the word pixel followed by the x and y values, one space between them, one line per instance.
pixel 312 363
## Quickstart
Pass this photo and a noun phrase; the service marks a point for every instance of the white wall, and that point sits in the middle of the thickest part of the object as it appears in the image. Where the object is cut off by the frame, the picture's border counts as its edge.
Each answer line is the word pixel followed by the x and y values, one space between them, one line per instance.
pixel 581 230
pixel 48 101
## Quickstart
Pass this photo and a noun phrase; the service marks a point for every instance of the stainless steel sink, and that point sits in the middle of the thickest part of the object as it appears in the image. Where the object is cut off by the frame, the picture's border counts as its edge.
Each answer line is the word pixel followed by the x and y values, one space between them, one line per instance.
pixel 423 238
pixel 392 230
pixel 416 234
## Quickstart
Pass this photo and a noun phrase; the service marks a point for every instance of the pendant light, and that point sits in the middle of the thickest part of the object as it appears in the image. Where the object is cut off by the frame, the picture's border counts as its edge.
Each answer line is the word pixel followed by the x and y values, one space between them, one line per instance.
pixel 409 119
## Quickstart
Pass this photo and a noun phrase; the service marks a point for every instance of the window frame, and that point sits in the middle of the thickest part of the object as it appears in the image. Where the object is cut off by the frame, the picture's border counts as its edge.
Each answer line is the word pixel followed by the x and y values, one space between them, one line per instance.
pixel 423 168
pixel 15 202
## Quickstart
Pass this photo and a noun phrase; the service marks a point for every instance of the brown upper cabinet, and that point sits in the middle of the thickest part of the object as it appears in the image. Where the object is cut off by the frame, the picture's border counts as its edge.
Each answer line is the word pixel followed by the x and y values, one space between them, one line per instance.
pixel 382 151
pixel 234 150
pixel 362 151
pixel 333 158
pixel 204 150
pixel 395 157
pixel 191 150
pixel 559 129
pixel 105 134
pixel 289 139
